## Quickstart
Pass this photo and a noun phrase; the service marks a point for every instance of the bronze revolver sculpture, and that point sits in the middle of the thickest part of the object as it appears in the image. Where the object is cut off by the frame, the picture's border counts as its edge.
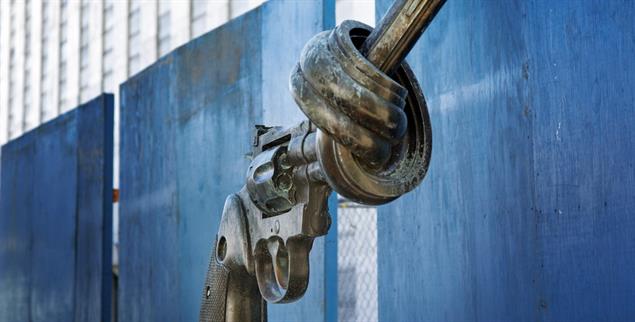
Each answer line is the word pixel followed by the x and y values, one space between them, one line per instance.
pixel 368 137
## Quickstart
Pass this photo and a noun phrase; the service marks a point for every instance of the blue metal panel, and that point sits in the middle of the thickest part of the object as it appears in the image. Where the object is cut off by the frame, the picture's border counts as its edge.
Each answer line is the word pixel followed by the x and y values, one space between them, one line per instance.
pixel 186 128
pixel 526 214
pixel 55 218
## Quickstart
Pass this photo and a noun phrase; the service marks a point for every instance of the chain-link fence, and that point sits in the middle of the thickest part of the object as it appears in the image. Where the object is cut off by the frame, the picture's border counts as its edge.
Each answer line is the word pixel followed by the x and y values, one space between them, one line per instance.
pixel 357 262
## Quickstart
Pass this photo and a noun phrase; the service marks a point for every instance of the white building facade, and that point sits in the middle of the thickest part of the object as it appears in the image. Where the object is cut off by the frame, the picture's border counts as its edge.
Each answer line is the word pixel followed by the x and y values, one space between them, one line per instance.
pixel 55 55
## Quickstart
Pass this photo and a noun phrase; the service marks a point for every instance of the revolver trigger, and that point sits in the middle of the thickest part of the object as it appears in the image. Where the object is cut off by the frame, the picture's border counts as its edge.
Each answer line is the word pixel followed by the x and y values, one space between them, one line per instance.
pixel 282 271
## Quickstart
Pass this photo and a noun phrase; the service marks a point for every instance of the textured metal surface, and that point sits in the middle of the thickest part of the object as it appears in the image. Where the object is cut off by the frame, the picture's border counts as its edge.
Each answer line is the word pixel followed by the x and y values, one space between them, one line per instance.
pixel 263 247
pixel 375 140
pixel 215 291
pixel 186 134
pixel 393 38
pixel 280 242
pixel 230 292
pixel 526 213
pixel 347 97
pixel 55 218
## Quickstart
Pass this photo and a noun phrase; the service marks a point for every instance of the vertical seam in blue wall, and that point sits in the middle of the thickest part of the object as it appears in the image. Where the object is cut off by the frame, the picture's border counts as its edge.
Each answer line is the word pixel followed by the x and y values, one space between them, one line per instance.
pixel 76 237
pixel 328 14
pixel 108 175
pixel 330 245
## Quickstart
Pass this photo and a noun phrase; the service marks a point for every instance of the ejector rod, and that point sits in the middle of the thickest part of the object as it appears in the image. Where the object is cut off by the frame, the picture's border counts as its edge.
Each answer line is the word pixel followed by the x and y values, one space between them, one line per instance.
pixel 398 31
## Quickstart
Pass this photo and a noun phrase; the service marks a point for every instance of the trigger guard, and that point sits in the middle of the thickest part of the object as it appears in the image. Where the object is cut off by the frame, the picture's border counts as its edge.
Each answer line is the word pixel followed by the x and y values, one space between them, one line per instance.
pixel 271 288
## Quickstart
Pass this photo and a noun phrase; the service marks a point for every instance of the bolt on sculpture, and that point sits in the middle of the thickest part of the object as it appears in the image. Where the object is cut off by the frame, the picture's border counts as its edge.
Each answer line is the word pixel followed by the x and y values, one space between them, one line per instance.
pixel 368 137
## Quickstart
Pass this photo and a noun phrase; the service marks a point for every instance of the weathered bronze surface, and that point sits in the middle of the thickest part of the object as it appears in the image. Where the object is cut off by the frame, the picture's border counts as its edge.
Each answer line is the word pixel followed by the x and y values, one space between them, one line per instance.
pixel 374 141
pixel 398 31
pixel 368 137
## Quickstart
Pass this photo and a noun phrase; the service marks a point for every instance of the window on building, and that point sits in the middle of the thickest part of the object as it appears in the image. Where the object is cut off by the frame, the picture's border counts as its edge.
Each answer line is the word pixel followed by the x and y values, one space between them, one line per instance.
pixel 12 121
pixel 134 37
pixel 164 26
pixel 84 51
pixel 26 88
pixel 197 20
pixel 63 55
pixel 45 106
pixel 107 80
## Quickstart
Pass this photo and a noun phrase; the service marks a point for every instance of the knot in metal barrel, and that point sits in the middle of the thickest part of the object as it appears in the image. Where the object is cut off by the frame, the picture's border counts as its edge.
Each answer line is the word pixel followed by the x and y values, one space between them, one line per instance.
pixel 374 139
pixel 347 97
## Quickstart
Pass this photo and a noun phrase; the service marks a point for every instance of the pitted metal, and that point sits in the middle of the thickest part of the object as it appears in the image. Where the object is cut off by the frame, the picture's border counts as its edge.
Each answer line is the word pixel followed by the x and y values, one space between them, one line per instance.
pixel 375 137
pixel 348 97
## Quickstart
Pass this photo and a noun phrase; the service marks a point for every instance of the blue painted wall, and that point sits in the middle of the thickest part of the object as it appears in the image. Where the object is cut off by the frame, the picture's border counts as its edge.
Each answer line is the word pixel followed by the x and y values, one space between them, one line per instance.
pixel 527 211
pixel 186 128
pixel 55 218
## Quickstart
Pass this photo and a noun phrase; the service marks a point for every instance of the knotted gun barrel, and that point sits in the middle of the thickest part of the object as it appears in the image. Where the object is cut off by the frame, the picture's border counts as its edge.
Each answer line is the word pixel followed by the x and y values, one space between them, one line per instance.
pixel 375 138
pixel 368 137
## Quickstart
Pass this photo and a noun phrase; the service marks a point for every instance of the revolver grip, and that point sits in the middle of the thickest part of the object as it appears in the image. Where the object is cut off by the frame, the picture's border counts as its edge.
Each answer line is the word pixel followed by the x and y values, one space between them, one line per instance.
pixel 227 299
pixel 213 303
